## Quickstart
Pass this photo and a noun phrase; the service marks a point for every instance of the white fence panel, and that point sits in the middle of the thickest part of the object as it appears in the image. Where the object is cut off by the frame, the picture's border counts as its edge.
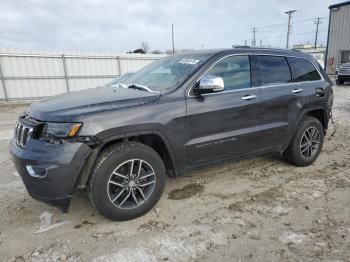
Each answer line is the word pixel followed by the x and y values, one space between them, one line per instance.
pixel 2 95
pixel 128 64
pixel 35 74
pixel 80 84
pixel 31 66
pixel 77 66
pixel 32 88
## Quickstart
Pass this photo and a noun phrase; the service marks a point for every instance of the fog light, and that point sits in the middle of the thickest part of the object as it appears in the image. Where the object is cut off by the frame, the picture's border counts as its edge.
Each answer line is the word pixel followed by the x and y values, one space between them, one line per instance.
pixel 38 172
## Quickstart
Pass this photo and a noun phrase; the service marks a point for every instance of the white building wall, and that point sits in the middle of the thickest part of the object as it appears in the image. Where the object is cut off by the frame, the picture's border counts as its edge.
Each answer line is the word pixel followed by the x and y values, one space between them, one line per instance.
pixel 339 35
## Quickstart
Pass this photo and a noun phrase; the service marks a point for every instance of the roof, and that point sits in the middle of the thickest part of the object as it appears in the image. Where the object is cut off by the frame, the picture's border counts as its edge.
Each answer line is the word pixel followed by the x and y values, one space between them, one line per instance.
pixel 339 5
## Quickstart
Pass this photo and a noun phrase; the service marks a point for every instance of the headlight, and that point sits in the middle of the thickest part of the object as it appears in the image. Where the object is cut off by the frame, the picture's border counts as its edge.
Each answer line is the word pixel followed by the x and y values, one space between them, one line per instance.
pixel 61 130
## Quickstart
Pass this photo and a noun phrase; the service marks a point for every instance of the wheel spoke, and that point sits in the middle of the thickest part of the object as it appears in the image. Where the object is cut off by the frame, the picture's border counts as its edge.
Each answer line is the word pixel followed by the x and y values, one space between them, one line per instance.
pixel 134 197
pixel 303 145
pixel 146 184
pixel 120 193
pixel 115 183
pixel 139 171
pixel 307 135
pixel 141 192
pixel 131 168
pixel 303 150
pixel 120 175
pixel 309 151
pixel 145 176
pixel 125 199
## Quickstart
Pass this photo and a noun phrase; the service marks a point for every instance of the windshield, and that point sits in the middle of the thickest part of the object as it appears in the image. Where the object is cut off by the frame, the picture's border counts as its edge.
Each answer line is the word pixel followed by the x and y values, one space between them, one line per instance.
pixel 167 73
pixel 120 79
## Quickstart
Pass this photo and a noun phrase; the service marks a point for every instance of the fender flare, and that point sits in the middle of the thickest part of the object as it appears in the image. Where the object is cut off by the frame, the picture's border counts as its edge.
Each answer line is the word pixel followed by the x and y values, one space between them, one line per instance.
pixel 302 115
pixel 86 170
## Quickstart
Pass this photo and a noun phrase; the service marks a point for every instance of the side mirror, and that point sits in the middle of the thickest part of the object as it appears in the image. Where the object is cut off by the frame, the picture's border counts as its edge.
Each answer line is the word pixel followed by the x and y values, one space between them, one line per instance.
pixel 209 84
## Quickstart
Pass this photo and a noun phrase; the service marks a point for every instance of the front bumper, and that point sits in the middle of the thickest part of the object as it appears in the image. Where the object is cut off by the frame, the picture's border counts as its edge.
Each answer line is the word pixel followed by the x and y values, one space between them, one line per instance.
pixel 62 164
pixel 345 78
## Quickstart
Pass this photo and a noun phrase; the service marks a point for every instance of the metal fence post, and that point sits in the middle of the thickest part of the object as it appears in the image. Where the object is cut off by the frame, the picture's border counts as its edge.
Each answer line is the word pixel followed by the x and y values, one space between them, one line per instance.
pixel 119 65
pixel 3 83
pixel 65 72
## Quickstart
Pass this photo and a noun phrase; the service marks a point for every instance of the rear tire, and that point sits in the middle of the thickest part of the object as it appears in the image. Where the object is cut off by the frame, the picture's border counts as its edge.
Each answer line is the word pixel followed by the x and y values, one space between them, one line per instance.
pixel 307 142
pixel 127 181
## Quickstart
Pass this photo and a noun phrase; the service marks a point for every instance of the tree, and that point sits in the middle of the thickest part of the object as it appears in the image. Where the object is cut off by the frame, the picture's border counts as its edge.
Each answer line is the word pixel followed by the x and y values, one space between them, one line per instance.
pixel 145 46
pixel 139 51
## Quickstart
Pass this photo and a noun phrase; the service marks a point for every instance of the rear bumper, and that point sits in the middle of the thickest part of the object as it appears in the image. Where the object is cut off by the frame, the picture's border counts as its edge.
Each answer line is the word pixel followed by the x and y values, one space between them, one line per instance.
pixel 50 171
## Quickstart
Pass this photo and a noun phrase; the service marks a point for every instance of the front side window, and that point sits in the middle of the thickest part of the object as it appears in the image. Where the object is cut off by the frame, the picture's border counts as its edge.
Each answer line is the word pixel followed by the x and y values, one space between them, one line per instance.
pixel 234 70
pixel 272 70
pixel 303 70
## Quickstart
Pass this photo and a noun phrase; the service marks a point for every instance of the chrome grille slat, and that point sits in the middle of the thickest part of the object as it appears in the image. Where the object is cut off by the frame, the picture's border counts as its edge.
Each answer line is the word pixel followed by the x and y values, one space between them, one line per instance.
pixel 22 134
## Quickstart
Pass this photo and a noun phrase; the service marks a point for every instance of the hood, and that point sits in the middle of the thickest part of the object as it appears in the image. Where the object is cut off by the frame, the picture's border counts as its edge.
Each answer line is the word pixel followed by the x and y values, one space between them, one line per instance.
pixel 67 107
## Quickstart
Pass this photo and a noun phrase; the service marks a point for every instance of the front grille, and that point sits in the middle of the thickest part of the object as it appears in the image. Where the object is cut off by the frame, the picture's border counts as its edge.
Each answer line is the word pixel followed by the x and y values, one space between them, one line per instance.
pixel 22 134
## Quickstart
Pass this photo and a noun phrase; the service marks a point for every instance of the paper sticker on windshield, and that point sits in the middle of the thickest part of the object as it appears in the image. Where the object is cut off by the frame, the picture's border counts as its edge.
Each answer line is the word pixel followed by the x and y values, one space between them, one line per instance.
pixel 189 61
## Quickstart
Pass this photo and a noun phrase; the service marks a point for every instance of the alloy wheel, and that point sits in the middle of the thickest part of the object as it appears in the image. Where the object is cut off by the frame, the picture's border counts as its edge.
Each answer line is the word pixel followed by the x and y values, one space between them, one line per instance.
pixel 310 142
pixel 131 184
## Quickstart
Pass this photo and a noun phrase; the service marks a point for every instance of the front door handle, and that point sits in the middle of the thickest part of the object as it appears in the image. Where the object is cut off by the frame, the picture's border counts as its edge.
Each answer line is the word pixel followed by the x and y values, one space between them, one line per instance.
pixel 249 97
pixel 296 91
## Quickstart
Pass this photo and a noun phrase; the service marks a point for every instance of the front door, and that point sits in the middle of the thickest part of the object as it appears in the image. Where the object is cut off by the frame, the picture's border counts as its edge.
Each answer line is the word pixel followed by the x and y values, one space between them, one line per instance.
pixel 223 124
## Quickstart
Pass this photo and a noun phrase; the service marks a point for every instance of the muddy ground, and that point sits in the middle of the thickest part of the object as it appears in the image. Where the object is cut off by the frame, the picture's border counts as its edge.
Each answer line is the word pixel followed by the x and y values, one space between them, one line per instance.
pixel 260 209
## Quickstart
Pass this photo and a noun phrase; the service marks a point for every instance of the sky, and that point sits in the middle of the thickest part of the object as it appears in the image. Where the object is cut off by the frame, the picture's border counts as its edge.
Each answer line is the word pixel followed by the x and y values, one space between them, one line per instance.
pixel 121 25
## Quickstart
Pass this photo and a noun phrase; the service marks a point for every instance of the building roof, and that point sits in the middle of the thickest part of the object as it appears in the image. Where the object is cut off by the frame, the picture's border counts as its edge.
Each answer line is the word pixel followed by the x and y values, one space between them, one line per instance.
pixel 339 5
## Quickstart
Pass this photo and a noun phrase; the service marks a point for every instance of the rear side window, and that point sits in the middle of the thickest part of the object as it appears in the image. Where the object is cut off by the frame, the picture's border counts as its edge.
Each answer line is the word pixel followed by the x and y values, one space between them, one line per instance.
pixel 303 70
pixel 272 70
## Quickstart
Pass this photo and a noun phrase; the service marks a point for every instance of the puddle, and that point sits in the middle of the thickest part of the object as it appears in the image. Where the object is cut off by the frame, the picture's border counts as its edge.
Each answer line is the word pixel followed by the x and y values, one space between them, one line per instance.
pixel 186 192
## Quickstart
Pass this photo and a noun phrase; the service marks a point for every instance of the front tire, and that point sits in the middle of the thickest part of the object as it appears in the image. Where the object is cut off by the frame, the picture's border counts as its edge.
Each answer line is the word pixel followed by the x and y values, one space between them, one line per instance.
pixel 307 142
pixel 339 82
pixel 127 181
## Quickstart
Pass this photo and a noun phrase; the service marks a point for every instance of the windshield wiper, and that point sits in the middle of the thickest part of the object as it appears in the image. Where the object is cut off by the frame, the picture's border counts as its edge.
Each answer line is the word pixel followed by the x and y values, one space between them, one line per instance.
pixel 141 87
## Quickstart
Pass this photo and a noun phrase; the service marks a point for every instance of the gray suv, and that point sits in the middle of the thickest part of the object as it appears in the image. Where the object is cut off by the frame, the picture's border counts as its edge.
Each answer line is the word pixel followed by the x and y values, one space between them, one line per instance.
pixel 181 112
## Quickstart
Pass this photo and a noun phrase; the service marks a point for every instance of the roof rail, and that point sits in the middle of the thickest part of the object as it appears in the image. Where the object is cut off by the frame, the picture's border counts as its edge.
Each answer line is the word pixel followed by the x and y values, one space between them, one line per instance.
pixel 268 48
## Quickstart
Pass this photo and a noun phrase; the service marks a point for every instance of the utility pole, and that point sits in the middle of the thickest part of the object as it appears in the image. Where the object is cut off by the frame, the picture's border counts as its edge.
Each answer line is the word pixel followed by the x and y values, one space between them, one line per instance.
pixel 290 12
pixel 202 46
pixel 172 37
pixel 245 42
pixel 254 31
pixel 317 23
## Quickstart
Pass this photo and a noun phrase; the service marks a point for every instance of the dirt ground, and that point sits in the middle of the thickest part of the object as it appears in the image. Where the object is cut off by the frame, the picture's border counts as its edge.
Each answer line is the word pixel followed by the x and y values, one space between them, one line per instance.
pixel 260 209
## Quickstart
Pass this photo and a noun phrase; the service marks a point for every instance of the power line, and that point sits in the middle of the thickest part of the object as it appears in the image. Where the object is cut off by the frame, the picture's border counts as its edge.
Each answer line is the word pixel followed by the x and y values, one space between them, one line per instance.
pixel 290 13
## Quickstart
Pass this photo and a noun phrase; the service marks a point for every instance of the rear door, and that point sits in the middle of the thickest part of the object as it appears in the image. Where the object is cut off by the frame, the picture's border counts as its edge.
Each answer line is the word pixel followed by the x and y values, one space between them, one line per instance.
pixel 285 88
pixel 222 125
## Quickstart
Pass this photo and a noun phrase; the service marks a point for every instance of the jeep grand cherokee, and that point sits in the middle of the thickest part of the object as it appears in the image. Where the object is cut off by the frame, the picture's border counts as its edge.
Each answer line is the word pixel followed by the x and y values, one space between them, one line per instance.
pixel 184 111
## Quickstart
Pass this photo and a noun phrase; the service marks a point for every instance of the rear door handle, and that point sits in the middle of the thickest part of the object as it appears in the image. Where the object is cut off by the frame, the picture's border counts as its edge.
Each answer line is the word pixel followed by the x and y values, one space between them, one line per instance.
pixel 249 97
pixel 296 91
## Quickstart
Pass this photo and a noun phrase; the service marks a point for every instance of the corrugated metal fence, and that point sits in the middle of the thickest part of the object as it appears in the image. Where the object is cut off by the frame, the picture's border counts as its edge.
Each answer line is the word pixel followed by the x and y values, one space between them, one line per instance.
pixel 30 75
